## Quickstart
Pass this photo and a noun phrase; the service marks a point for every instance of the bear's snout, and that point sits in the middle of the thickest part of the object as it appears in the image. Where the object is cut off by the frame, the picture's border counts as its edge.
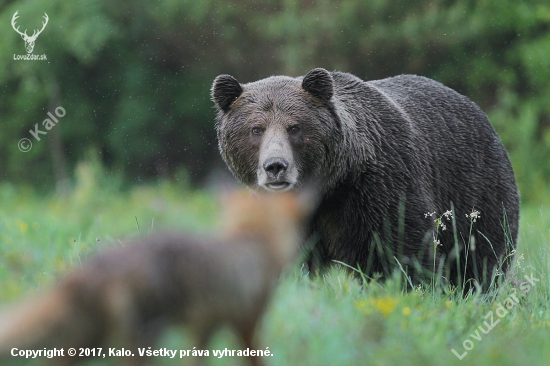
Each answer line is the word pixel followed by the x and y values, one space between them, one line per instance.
pixel 275 167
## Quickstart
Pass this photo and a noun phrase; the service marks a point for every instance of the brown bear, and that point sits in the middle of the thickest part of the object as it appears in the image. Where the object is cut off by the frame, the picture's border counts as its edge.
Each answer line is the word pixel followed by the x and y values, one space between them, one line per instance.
pixel 412 175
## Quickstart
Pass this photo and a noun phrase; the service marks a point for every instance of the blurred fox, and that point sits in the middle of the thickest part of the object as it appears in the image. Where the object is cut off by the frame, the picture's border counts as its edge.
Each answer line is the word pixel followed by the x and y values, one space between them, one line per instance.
pixel 125 297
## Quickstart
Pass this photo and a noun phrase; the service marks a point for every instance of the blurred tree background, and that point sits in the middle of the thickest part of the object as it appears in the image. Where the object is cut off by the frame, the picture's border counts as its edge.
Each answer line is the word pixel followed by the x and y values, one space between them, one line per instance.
pixel 134 76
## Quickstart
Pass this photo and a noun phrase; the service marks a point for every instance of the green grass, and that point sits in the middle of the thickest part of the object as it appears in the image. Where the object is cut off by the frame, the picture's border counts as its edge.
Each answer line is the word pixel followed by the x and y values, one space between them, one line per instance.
pixel 328 320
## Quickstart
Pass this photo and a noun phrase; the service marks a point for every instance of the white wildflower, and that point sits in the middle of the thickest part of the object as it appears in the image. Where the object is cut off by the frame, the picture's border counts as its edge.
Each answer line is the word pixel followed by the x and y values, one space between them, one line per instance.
pixel 474 215
pixel 439 224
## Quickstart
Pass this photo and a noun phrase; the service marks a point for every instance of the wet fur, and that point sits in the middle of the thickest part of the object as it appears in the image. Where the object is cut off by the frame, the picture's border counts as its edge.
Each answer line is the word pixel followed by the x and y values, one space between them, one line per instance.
pixel 385 152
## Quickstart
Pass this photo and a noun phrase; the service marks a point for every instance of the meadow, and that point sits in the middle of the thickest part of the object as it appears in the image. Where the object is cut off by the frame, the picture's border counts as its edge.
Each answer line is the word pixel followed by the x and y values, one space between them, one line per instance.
pixel 325 320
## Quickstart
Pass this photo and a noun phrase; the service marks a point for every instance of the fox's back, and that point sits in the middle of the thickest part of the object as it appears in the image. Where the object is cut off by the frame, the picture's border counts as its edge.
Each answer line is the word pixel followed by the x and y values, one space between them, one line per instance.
pixel 184 277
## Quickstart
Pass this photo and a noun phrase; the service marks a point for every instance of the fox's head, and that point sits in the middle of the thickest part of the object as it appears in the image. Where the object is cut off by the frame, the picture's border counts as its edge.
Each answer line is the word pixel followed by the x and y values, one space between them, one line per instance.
pixel 277 220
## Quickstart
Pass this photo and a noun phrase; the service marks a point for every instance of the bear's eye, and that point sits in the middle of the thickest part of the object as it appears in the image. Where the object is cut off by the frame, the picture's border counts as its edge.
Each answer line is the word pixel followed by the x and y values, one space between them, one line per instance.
pixel 294 129
pixel 257 131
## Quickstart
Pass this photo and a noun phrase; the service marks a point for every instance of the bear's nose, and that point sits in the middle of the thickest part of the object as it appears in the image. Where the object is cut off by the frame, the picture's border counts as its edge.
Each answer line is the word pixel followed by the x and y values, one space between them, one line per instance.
pixel 275 167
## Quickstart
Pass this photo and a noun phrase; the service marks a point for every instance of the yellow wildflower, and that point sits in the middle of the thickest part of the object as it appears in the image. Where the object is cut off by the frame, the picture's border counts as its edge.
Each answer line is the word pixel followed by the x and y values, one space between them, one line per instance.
pixel 23 226
pixel 385 305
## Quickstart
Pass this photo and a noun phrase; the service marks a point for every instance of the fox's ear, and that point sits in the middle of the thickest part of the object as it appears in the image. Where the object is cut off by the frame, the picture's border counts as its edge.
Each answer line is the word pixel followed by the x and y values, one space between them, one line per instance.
pixel 236 203
pixel 309 199
pixel 225 90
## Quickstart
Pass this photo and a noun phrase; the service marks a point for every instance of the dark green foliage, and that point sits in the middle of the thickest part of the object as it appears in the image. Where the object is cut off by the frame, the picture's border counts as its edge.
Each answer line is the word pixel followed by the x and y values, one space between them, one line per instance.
pixel 134 76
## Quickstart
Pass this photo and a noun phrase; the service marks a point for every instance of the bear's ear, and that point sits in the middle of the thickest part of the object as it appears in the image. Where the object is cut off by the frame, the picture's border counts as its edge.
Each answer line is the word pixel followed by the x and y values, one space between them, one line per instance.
pixel 225 90
pixel 318 83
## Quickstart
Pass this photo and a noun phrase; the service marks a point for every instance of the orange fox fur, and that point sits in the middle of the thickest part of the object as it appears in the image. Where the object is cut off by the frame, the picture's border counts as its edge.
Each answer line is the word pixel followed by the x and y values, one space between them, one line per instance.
pixel 127 295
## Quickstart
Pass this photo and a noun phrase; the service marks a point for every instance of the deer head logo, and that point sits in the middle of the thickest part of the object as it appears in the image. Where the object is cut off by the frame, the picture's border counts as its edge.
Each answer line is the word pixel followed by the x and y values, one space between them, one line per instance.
pixel 29 40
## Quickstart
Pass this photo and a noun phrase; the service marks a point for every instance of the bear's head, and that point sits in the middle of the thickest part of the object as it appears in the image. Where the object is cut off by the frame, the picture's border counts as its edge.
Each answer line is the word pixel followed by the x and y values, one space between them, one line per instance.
pixel 278 133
